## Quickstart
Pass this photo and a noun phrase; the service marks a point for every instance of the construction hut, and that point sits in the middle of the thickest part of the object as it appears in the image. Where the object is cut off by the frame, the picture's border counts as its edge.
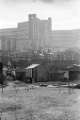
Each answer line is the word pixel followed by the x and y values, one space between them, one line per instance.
pixel 32 73
pixel 58 75
pixel 74 72
pixel 20 74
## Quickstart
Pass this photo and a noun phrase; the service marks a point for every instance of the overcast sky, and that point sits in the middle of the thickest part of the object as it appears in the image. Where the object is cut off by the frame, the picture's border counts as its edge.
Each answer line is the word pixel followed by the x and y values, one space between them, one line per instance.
pixel 65 13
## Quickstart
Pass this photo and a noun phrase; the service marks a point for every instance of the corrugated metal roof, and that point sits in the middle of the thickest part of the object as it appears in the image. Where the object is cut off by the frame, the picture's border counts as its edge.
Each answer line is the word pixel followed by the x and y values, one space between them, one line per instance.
pixel 74 67
pixel 32 66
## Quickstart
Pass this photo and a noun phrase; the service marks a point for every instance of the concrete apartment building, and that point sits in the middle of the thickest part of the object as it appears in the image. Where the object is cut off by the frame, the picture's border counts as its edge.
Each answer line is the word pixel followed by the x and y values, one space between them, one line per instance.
pixel 8 39
pixel 31 35
pixel 36 34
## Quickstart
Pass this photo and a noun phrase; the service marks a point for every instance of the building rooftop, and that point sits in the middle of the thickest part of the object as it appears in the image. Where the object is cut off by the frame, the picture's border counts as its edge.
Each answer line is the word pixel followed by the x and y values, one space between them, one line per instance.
pixel 32 66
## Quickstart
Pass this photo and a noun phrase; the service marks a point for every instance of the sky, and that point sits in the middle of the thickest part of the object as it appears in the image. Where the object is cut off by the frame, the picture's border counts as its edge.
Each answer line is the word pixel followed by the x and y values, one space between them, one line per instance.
pixel 64 13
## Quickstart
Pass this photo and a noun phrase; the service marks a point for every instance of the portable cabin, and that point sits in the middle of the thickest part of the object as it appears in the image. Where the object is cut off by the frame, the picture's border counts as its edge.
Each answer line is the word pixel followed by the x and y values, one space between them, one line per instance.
pixel 74 72
pixel 20 74
pixel 58 75
pixel 32 73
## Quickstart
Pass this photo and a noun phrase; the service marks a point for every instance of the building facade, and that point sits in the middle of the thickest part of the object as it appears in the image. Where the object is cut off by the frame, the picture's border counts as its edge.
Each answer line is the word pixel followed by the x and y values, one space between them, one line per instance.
pixel 39 32
pixel 30 35
pixel 36 34
pixel 8 39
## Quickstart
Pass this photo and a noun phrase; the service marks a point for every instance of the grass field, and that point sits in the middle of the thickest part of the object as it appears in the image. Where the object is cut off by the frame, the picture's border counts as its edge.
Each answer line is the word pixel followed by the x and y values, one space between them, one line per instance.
pixel 40 103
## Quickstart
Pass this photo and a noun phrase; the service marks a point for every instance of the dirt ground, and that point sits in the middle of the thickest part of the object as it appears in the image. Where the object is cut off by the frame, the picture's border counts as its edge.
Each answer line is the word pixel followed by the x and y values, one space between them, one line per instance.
pixel 24 102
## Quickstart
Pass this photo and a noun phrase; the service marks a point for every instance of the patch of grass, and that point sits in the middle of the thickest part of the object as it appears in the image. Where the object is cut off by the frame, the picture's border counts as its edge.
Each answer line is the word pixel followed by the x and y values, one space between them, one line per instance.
pixel 30 114
pixel 47 101
pixel 6 108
